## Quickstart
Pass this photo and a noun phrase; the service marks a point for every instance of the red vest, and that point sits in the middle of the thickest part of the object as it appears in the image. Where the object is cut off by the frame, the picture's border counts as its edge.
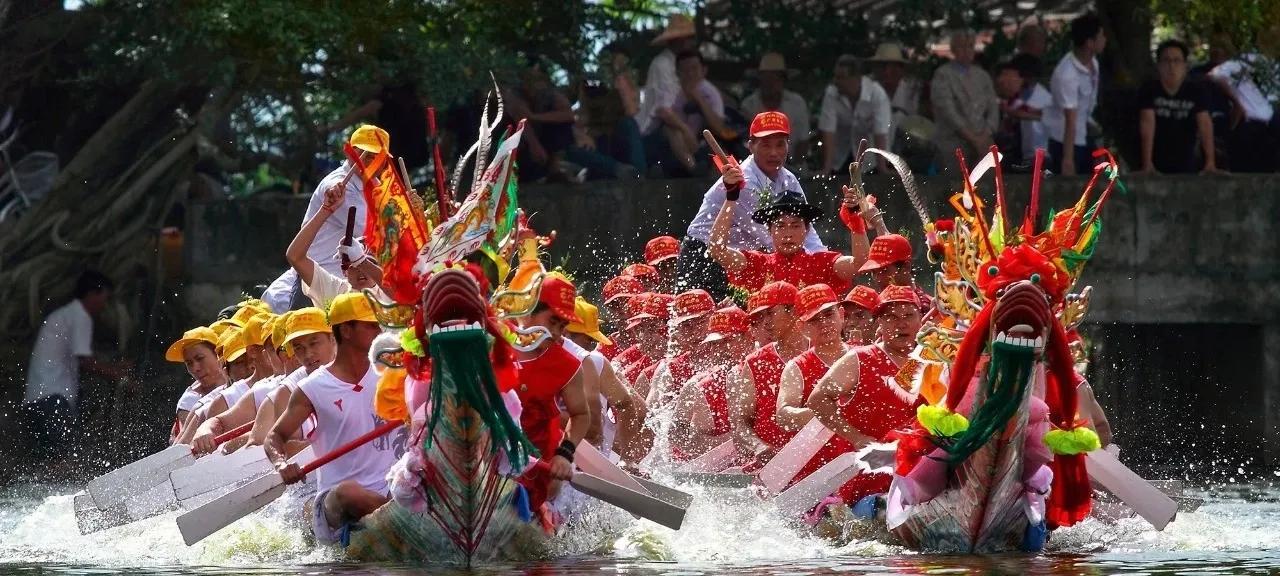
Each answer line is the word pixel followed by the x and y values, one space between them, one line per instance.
pixel 631 372
pixel 626 357
pixel 681 369
pixel 714 388
pixel 766 370
pixel 878 404
pixel 812 368
pixel 800 269
pixel 541 381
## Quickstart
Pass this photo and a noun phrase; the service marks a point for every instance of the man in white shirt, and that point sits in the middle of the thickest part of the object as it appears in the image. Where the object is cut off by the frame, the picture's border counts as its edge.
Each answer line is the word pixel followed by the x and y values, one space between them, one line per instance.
pixel 773 95
pixel 1251 138
pixel 1022 103
pixel 318 283
pixel 63 353
pixel 285 293
pixel 854 107
pixel 1075 95
pixel 765 176
pixel 662 85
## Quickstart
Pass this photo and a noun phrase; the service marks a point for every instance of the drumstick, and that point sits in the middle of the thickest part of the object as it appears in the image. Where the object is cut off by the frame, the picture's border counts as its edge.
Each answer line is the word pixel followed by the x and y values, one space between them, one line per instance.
pixel 716 149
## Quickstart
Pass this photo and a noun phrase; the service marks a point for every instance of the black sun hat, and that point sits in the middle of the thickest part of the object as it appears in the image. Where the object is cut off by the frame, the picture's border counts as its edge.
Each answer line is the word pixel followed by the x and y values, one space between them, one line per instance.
pixel 789 203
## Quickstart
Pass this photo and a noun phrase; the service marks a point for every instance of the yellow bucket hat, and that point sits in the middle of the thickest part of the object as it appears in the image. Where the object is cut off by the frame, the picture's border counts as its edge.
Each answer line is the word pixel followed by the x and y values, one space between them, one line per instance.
pixel 589 321
pixel 192 336
pixel 256 330
pixel 350 307
pixel 305 321
pixel 277 328
pixel 232 344
pixel 221 326
pixel 370 138
pixel 244 314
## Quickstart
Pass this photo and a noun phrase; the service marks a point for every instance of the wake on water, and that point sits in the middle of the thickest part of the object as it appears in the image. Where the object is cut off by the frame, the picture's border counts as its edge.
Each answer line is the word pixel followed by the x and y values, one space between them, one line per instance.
pixel 722 527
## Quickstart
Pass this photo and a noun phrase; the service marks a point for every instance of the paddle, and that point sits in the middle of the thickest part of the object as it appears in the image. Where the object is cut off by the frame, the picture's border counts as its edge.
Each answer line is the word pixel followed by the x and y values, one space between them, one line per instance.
pixel 1149 502
pixel 713 460
pixel 794 455
pixel 217 470
pixel 198 524
pixel 639 503
pixel 138 477
pixel 590 460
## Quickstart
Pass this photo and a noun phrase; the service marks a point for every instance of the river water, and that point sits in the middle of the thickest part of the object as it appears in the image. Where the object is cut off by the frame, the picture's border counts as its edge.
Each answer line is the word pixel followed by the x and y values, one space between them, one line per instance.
pixel 1236 531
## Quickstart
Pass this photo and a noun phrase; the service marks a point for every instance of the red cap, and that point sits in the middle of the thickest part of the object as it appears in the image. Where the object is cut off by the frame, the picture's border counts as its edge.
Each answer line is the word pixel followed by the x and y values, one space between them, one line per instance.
pixel 559 294
pixel 772 294
pixel 770 122
pixel 652 306
pixel 692 304
pixel 886 250
pixel 726 322
pixel 621 287
pixel 643 272
pixel 813 299
pixel 863 297
pixel 661 248
pixel 897 294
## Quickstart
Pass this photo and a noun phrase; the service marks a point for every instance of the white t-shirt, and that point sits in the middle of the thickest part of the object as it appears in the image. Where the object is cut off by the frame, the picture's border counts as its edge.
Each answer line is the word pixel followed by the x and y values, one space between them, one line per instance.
pixel 190 398
pixel 871 116
pixel 1237 73
pixel 661 85
pixel 261 391
pixel 234 392
pixel 793 105
pixel 1073 87
pixel 344 412
pixel 1034 134
pixel 65 337
pixel 596 361
pixel 325 286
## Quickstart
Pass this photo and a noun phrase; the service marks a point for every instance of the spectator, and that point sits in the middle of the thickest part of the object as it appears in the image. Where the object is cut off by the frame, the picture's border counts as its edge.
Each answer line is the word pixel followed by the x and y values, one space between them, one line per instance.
pixel 889 68
pixel 656 118
pixel 697 107
pixel 1251 136
pixel 1032 41
pixel 62 355
pixel 398 110
pixel 1217 99
pixel 965 106
pixel 773 95
pixel 1022 101
pixel 1075 94
pixel 549 124
pixel 607 114
pixel 853 107
pixel 1171 112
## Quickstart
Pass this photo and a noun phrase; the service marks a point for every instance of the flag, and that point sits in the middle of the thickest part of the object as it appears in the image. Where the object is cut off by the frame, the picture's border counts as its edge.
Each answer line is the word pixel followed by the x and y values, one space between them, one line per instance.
pixel 394 231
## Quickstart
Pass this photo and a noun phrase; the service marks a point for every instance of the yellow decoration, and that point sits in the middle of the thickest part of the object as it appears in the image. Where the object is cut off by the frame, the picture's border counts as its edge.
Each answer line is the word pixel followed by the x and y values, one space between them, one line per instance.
pixel 390 404
pixel 1074 441
pixel 941 422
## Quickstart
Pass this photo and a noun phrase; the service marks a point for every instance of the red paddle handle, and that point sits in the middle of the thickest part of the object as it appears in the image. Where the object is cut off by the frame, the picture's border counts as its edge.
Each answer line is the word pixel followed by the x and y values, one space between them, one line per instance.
pixel 352 445
pixel 233 433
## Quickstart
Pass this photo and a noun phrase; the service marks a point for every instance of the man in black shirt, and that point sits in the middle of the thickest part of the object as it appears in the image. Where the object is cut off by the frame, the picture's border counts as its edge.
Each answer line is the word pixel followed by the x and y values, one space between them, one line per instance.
pixel 1172 113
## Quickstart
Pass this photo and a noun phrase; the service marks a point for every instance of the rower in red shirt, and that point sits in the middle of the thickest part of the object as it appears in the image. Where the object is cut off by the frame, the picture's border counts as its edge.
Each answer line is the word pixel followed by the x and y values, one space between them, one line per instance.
pixel 688 325
pixel 647 275
pixel 551 377
pixel 860 398
pixel 821 318
pixel 617 294
pixel 649 327
pixel 890 265
pixel 754 394
pixel 860 316
pixel 661 253
pixel 789 218
pixel 701 419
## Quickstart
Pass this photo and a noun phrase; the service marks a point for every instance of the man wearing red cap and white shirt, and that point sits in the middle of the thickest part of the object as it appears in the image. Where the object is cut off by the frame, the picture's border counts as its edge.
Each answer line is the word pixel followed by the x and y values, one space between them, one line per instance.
pixel 890 265
pixel 551 377
pixel 702 409
pixel 661 253
pixel 763 176
pixel 860 316
pixel 860 398
pixel 754 397
pixel 689 327
pixel 821 318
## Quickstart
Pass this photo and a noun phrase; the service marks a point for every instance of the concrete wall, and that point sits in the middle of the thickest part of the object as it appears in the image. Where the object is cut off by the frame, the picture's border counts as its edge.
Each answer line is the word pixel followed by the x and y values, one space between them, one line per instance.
pixel 1195 255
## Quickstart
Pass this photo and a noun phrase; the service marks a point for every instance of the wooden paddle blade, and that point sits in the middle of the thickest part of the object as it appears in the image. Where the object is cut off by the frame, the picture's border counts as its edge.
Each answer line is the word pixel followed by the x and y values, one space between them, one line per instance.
pixel 198 524
pixel 217 470
pixel 794 455
pixel 803 495
pixel 637 503
pixel 1150 503
pixel 714 460
pixel 155 500
pixel 667 494
pixel 715 479
pixel 115 487
pixel 591 461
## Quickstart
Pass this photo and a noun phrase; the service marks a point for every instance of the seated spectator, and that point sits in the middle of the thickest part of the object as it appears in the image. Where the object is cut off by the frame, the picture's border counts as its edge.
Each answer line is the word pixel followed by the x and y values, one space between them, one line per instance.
pixel 965 106
pixel 889 68
pixel 1075 94
pixel 607 113
pixel 1022 101
pixel 697 107
pixel 1217 100
pixel 1251 139
pixel 1032 41
pixel 1171 113
pixel 549 127
pixel 853 107
pixel 655 118
pixel 773 95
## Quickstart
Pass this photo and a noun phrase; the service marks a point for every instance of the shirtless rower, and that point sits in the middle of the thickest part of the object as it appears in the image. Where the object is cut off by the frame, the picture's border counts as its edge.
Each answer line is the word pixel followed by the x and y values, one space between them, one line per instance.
pixel 550 376
pixel 690 311
pixel 860 399
pixel 623 435
pixel 701 419
pixel 860 316
pixel 340 396
pixel 754 394
pixel 197 350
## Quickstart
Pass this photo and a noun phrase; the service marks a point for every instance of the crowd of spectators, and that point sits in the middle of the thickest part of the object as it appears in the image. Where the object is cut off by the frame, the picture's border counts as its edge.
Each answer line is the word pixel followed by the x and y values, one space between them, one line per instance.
pixel 1211 118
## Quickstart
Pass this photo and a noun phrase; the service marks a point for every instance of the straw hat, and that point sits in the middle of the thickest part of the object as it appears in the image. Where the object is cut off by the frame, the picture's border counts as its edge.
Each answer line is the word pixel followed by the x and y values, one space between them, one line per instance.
pixel 888 52
pixel 679 26
pixel 774 62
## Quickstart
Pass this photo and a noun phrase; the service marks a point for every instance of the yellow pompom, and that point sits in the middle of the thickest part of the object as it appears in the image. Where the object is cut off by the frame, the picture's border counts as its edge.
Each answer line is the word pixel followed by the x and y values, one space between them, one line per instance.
pixel 941 422
pixel 389 403
pixel 1074 441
